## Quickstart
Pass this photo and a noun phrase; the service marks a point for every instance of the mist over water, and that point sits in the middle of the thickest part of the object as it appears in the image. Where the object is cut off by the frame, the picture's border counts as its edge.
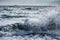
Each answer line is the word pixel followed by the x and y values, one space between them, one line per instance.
pixel 29 23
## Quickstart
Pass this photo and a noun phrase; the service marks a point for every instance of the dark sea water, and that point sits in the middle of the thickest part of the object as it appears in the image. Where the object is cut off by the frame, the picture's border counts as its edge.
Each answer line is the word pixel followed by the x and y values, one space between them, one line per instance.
pixel 29 23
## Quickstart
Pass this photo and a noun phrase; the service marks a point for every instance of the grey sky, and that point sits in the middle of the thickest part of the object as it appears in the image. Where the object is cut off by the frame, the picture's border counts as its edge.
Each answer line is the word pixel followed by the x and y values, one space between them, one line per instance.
pixel 28 2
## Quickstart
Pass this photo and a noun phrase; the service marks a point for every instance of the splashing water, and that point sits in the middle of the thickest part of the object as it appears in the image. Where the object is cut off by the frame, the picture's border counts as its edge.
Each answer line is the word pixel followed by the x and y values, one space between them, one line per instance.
pixel 42 23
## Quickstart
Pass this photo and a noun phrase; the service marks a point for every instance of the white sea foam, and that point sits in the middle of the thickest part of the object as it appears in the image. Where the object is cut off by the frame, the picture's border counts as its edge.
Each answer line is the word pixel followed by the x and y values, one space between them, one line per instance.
pixel 36 19
pixel 36 37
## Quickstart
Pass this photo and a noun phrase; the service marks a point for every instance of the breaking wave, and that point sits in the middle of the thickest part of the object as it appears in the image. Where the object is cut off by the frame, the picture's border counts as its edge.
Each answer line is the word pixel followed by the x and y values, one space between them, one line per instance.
pixel 29 23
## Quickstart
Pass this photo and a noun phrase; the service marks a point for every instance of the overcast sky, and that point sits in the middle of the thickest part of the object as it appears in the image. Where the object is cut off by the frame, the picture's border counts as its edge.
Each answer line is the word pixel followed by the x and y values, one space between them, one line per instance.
pixel 28 2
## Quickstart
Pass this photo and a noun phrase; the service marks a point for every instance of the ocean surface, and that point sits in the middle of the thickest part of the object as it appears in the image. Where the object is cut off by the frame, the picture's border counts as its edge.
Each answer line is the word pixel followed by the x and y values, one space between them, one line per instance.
pixel 29 23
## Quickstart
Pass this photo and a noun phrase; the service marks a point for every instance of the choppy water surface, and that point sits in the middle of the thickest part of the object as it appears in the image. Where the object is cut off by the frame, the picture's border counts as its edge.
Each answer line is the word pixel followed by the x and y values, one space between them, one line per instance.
pixel 29 23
